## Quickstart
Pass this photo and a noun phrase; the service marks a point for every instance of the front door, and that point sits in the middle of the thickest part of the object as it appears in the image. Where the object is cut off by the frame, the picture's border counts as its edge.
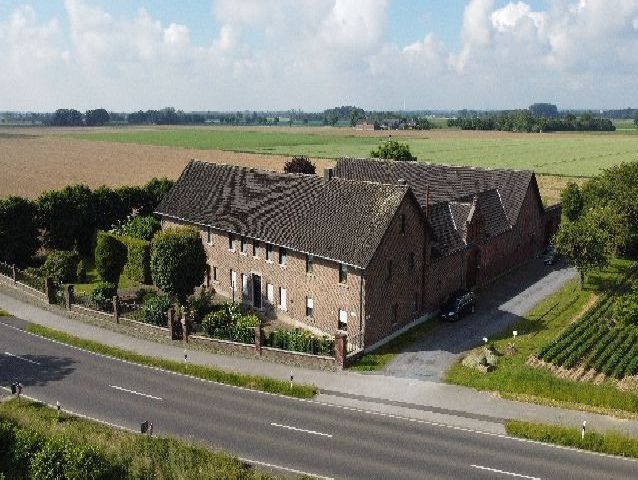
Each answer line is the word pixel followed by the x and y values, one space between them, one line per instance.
pixel 256 291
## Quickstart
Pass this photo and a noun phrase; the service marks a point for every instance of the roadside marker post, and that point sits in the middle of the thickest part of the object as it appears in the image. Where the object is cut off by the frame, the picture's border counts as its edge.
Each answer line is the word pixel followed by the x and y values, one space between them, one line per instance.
pixel 185 355
pixel 514 333
pixel 582 435
pixel 485 340
pixel 291 378
pixel 14 388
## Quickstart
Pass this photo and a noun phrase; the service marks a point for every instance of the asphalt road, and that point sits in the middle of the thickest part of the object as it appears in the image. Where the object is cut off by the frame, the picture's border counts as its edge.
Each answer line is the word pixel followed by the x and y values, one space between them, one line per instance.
pixel 322 440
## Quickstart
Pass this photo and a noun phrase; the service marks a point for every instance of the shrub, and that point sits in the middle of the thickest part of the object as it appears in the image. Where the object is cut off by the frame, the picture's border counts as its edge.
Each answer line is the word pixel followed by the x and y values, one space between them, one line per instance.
pixel 110 257
pixel 81 272
pixel 301 341
pixel 18 230
pixel 201 304
pixel 26 444
pixel 154 308
pixel 299 164
pixel 178 261
pixel 50 462
pixel 228 323
pixel 138 259
pixel 61 266
pixel 141 227
pixel 102 295
pixel 393 150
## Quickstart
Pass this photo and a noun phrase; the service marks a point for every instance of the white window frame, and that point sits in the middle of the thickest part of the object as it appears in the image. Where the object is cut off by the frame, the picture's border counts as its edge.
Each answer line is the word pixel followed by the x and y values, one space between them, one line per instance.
pixel 270 293
pixel 310 307
pixel 343 319
pixel 283 299
pixel 283 256
pixel 244 286
pixel 233 280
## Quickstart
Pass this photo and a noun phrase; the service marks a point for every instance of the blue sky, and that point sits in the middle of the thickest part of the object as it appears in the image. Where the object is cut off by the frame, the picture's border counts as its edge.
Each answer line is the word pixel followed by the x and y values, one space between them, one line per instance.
pixel 313 54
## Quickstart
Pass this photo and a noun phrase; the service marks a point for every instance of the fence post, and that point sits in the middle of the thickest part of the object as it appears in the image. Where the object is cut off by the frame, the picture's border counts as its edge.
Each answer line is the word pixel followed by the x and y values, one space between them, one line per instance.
pixel 184 326
pixel 341 349
pixel 14 274
pixel 68 295
pixel 49 290
pixel 259 338
pixel 170 315
pixel 116 308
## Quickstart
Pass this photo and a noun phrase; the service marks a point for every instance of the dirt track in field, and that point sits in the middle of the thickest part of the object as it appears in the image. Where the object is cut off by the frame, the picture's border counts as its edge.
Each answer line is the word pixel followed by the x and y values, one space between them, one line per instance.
pixel 30 165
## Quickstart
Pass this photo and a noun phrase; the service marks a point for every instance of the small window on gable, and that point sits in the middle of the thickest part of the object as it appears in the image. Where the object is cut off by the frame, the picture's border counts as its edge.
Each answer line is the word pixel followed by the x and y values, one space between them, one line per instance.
pixel 282 256
pixel 403 223
pixel 309 263
pixel 343 273
pixel 231 241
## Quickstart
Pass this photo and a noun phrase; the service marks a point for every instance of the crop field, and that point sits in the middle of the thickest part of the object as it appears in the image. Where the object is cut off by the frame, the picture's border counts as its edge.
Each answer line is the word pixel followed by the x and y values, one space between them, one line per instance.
pixel 565 154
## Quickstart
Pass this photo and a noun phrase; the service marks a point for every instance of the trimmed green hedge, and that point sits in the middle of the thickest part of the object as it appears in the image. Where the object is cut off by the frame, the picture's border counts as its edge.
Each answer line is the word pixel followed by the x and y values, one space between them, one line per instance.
pixel 138 259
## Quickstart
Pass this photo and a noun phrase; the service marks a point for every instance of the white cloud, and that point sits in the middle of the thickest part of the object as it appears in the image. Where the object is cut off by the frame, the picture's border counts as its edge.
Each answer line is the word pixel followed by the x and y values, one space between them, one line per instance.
pixel 318 53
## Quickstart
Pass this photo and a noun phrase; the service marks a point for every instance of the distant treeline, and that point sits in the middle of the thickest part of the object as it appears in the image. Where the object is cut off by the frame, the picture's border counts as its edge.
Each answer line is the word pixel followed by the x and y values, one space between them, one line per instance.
pixel 523 121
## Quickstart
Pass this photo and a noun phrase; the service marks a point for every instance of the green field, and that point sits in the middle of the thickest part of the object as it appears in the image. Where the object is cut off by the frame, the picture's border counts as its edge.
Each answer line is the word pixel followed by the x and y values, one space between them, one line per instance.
pixel 570 154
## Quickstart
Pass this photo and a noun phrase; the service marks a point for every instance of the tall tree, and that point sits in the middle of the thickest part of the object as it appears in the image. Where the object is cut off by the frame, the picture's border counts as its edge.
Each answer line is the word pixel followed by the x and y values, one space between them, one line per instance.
pixel 393 150
pixel 18 230
pixel 571 199
pixel 96 117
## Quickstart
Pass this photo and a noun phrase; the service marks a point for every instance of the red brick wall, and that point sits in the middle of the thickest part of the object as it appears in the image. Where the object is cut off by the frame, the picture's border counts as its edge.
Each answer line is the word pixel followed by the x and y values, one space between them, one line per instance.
pixel 381 295
pixel 322 285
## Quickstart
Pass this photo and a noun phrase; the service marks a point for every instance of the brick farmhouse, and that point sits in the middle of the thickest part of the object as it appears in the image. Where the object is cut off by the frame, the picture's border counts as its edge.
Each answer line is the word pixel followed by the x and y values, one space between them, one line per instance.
pixel 369 249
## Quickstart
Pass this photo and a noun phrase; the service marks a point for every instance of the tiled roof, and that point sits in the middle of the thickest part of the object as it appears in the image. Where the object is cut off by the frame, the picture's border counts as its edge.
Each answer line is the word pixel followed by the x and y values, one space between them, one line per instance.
pixel 340 219
pixel 499 193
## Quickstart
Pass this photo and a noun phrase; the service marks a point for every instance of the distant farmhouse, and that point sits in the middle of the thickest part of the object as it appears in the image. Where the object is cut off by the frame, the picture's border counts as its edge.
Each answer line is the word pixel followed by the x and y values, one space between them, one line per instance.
pixel 367 249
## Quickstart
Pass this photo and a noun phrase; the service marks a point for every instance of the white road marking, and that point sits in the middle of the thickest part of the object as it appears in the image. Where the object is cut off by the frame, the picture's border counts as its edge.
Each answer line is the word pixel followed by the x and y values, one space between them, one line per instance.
pixel 503 472
pixel 284 469
pixel 135 393
pixel 330 405
pixel 312 432
pixel 22 358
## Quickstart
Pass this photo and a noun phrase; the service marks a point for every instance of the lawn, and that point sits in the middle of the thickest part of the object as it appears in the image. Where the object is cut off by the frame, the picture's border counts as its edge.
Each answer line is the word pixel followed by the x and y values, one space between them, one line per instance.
pixel 569 154
pixel 25 424
pixel 514 379
pixel 380 357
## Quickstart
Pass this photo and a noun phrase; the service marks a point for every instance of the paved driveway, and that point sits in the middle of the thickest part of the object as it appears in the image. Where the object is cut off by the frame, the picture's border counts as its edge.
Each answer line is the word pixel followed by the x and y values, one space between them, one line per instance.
pixel 499 306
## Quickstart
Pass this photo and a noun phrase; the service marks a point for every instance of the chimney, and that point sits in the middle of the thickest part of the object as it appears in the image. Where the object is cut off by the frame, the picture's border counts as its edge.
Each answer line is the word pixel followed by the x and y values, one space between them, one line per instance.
pixel 327 174
pixel 402 182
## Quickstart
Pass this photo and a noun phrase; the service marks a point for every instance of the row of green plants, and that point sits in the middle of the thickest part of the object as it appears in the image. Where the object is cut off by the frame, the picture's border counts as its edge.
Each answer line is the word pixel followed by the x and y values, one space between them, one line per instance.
pixel 229 323
pixel 301 341
pixel 598 341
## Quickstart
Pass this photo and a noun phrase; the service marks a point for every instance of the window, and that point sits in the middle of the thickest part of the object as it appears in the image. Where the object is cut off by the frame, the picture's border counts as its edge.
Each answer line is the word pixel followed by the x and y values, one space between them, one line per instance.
pixel 403 223
pixel 395 314
pixel 209 236
pixel 388 271
pixel 343 320
pixel 310 305
pixel 268 252
pixel 270 293
pixel 282 256
pixel 214 274
pixel 255 247
pixel 242 245
pixel 343 273
pixel 309 261
pixel 244 285
pixel 233 281
pixel 283 301
pixel 231 241
pixel 207 275
pixel 411 261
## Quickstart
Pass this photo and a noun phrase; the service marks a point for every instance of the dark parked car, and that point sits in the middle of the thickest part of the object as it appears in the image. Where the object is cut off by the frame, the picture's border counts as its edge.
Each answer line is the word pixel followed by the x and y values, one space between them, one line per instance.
pixel 550 256
pixel 458 303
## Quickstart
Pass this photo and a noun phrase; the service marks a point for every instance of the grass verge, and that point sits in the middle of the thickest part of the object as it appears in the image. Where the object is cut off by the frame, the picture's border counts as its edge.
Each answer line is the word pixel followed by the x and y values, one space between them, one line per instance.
pixel 610 443
pixel 3 313
pixel 514 379
pixel 379 358
pixel 32 432
pixel 252 382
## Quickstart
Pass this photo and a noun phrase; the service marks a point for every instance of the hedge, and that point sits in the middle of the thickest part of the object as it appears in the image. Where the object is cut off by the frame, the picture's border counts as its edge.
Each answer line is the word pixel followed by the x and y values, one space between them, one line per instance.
pixel 138 259
pixel 61 266
pixel 110 257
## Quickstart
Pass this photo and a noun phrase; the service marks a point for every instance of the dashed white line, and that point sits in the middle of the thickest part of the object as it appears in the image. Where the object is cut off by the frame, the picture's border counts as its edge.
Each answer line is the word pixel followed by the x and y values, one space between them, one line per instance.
pixel 22 358
pixel 122 389
pixel 311 432
pixel 503 472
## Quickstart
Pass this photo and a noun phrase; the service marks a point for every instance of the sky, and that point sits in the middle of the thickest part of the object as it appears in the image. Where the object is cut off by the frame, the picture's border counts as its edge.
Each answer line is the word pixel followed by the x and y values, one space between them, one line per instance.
pixel 126 55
